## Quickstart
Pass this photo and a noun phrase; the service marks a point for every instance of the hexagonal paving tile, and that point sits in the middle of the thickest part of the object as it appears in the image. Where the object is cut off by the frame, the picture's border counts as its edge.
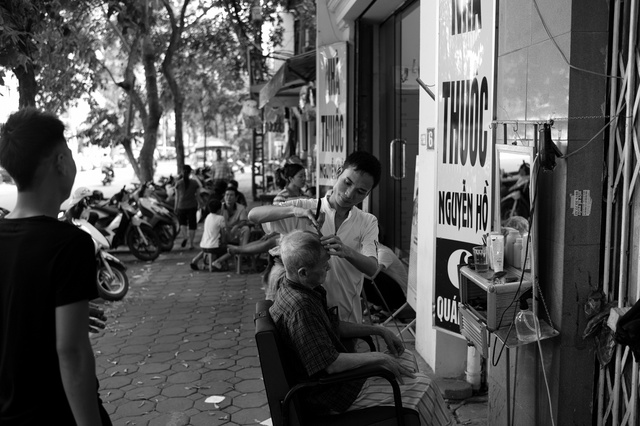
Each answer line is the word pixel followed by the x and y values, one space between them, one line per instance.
pixel 250 400
pixel 247 386
pixel 250 416
pixel 184 377
pixel 143 392
pixel 180 390
pixel 171 405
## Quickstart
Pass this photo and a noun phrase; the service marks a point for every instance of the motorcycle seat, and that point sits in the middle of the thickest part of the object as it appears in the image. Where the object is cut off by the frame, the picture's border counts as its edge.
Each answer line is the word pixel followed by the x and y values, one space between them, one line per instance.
pixel 106 209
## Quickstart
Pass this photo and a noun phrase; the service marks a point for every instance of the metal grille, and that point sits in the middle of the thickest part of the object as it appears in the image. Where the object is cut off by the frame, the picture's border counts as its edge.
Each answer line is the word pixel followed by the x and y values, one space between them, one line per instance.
pixel 618 382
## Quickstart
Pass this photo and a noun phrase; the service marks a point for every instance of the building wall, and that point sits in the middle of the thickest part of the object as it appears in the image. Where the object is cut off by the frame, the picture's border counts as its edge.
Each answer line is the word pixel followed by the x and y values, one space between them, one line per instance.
pixel 535 83
pixel 445 354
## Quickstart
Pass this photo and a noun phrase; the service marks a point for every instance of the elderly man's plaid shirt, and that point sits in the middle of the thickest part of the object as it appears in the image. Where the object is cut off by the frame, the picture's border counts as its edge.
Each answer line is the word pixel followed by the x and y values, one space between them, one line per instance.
pixel 310 329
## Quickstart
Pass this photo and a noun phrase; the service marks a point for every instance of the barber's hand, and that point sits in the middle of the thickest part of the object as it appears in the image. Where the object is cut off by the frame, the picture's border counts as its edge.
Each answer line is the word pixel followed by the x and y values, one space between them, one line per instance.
pixel 97 318
pixel 394 344
pixel 333 244
pixel 308 213
pixel 397 369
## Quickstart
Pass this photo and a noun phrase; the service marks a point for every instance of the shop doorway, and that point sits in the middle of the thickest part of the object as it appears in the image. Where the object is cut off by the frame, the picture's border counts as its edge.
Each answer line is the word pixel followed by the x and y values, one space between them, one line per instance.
pixel 399 60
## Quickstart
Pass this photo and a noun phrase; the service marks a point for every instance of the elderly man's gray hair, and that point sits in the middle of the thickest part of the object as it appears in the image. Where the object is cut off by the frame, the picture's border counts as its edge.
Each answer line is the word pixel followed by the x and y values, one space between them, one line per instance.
pixel 299 249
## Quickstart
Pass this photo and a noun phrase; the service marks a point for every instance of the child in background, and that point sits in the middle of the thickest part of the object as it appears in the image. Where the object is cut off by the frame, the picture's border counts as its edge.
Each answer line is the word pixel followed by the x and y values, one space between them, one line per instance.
pixel 213 241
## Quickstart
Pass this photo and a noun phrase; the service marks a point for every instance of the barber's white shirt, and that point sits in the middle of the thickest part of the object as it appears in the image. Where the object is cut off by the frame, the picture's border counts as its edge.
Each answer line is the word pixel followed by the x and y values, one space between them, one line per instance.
pixel 359 231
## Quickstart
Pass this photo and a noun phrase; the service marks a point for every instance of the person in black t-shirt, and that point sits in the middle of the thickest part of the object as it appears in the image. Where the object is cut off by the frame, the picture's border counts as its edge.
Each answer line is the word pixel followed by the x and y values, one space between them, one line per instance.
pixel 44 311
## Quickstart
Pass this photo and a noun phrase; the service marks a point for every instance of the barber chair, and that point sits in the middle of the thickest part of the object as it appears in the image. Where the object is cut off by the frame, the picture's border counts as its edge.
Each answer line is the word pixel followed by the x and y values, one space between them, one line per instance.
pixel 282 387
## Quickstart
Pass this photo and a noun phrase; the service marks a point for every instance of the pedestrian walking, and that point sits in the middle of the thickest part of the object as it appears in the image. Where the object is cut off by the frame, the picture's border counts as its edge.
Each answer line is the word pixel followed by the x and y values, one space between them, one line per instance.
pixel 220 170
pixel 186 206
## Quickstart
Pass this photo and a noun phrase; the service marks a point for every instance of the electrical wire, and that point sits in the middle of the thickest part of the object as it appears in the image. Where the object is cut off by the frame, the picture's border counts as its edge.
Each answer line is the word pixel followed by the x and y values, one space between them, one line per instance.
pixel 546 381
pixel 553 40
pixel 494 362
pixel 533 287
pixel 593 138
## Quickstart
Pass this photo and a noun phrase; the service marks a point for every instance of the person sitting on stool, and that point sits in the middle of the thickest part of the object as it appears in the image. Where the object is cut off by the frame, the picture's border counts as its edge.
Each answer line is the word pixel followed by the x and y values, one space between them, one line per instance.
pixel 213 239
pixel 235 216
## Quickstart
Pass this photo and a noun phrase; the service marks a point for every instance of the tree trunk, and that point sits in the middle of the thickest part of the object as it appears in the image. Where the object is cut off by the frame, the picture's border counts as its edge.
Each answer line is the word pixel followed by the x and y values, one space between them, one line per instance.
pixel 152 121
pixel 126 143
pixel 27 85
pixel 167 69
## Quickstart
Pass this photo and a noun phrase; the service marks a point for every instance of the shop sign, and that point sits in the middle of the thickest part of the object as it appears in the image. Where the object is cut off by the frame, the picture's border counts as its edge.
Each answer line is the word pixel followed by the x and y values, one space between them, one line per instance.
pixel 464 144
pixel 331 111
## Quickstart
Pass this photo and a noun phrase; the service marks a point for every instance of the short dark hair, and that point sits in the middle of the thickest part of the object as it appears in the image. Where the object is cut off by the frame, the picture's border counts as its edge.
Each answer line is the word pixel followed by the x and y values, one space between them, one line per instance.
pixel 214 205
pixel 364 162
pixel 28 136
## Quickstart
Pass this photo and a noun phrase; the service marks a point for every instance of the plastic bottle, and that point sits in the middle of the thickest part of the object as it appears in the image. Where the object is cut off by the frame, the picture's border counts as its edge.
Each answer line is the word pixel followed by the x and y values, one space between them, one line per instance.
pixel 527 324
pixel 517 253
pixel 497 251
pixel 509 252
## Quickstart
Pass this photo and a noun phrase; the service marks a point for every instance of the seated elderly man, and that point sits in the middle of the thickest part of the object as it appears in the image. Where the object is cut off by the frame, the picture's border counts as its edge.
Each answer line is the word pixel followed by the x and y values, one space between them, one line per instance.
pixel 313 332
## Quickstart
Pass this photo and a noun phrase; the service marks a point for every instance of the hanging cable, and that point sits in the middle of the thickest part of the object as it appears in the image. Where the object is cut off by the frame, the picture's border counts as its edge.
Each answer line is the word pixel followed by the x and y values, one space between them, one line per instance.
pixel 553 40
pixel 516 294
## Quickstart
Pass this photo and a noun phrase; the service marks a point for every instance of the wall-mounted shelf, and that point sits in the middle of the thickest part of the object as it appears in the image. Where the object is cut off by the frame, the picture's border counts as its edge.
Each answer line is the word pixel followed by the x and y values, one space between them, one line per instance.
pixel 489 305
pixel 508 336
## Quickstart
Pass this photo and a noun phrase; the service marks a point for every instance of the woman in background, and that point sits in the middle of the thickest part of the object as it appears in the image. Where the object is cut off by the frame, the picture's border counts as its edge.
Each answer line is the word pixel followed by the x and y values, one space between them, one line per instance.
pixel 292 179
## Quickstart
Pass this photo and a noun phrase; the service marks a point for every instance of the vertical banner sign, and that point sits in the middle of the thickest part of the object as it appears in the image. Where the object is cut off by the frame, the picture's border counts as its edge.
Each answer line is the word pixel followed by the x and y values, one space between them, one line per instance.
pixel 332 111
pixel 464 144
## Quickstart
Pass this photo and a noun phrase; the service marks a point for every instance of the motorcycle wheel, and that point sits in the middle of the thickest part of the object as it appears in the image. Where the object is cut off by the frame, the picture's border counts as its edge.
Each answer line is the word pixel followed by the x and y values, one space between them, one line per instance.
pixel 112 287
pixel 143 251
pixel 167 234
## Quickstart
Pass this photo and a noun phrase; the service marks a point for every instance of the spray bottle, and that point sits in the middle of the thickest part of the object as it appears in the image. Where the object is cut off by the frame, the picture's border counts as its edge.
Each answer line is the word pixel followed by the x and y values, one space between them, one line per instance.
pixel 526 322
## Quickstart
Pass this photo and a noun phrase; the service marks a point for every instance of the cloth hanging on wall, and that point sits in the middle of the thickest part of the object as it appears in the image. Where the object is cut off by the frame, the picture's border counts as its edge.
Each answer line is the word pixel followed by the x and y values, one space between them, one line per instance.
pixel 274 119
pixel 250 114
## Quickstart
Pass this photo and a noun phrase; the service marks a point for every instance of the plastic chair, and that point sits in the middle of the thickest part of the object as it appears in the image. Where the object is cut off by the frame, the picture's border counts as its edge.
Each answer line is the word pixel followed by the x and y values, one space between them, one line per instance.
pixel 282 386
pixel 394 314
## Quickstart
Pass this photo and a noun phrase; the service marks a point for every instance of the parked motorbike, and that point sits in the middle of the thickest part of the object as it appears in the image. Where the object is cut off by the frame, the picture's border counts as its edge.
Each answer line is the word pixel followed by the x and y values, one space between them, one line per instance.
pixel 111 278
pixel 121 223
pixel 109 174
pixel 163 220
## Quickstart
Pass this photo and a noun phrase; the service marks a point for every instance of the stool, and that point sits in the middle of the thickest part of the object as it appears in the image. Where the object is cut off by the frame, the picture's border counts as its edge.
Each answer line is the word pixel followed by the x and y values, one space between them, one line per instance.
pixel 239 258
pixel 208 260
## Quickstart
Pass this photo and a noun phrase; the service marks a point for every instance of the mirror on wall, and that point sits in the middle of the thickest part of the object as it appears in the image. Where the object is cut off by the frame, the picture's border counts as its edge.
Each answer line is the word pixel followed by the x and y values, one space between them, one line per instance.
pixel 513 186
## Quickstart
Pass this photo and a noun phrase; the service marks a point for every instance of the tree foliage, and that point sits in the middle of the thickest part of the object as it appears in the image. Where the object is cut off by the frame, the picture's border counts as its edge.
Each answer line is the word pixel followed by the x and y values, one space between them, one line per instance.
pixel 135 60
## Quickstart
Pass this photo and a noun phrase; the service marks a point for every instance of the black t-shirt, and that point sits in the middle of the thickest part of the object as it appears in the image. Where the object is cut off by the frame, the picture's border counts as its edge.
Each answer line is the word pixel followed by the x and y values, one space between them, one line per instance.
pixel 44 263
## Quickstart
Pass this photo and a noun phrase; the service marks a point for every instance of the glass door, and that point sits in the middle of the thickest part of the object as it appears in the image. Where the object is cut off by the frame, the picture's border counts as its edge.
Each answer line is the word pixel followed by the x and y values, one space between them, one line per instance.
pixel 400 62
